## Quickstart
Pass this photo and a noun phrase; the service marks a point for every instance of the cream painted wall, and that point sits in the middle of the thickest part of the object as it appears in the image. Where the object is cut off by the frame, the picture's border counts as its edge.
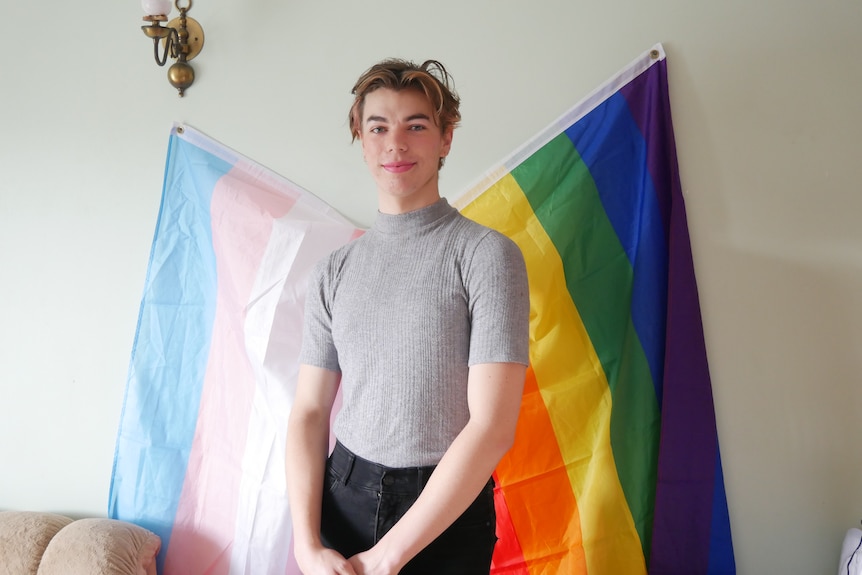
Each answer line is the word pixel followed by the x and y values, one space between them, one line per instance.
pixel 766 102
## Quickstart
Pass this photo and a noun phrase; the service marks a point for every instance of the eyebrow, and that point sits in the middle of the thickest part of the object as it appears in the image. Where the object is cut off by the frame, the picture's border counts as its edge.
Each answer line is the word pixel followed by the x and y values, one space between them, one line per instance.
pixel 410 118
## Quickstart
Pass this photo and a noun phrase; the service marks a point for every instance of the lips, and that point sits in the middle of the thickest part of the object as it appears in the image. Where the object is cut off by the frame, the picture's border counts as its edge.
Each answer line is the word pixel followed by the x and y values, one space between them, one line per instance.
pixel 398 167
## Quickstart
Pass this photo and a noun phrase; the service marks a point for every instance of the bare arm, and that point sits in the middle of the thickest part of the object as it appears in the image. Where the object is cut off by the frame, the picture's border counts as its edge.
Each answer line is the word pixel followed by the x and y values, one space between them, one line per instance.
pixel 305 460
pixel 494 398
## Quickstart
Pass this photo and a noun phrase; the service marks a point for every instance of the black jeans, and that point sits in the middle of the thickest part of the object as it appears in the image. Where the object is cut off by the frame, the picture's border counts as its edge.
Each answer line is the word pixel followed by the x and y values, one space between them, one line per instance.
pixel 362 501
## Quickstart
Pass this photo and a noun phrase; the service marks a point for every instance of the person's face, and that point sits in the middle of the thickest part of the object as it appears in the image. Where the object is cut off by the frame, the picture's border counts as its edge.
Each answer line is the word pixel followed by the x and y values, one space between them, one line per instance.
pixel 402 146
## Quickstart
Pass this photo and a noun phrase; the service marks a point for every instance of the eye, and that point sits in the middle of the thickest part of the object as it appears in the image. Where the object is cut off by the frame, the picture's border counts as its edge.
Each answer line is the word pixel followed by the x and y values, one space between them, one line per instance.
pixel 417 127
pixel 377 130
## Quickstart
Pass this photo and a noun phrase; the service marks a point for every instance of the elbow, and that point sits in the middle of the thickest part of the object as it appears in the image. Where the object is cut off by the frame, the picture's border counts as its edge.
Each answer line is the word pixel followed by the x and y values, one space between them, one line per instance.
pixel 500 441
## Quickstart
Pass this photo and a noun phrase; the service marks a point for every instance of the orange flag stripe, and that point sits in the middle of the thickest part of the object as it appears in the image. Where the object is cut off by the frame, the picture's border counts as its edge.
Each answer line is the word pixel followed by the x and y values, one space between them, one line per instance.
pixel 548 543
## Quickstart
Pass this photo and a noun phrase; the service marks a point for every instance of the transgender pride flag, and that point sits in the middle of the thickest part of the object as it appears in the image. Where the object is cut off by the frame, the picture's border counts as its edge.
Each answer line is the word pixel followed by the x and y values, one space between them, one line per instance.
pixel 616 467
pixel 200 451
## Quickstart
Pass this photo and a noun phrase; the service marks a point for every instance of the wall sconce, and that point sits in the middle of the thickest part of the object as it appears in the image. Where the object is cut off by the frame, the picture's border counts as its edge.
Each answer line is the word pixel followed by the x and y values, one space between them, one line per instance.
pixel 182 39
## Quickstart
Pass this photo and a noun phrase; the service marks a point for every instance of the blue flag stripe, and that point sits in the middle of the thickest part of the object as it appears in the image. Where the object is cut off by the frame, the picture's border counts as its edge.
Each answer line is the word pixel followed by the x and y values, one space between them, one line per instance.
pixel 171 350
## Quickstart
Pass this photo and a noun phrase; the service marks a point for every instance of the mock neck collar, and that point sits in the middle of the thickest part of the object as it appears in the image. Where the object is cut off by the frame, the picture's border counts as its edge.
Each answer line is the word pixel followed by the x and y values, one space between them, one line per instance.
pixel 412 221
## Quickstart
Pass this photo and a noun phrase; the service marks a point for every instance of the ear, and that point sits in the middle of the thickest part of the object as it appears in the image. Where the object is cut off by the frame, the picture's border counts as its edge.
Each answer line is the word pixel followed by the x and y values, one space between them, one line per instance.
pixel 447 141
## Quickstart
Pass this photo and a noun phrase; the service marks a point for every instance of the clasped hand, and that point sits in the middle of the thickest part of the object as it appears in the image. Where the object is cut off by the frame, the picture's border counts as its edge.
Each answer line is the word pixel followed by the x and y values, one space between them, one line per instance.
pixel 330 562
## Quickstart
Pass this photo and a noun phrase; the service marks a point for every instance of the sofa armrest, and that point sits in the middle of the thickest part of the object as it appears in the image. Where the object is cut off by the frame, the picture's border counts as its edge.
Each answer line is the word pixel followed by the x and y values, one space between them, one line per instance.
pixel 24 536
pixel 104 546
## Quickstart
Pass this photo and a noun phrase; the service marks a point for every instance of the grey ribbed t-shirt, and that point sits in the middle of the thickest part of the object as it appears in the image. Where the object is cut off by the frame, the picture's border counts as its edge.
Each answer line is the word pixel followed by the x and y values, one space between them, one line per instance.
pixel 402 312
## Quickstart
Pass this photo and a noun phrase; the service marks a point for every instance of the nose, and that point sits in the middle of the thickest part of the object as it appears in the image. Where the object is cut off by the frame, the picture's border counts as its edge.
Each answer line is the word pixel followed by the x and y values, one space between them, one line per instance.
pixel 397 141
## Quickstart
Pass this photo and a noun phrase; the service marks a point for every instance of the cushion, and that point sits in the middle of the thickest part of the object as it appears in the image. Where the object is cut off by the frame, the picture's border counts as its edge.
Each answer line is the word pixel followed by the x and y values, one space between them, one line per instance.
pixel 24 535
pixel 103 546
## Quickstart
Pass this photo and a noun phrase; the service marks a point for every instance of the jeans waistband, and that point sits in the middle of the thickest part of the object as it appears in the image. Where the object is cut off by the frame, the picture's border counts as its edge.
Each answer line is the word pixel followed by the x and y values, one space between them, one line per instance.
pixel 354 470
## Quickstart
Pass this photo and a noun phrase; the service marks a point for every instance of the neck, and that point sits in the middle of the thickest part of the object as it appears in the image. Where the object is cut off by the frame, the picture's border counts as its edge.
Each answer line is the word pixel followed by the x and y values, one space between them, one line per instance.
pixel 388 204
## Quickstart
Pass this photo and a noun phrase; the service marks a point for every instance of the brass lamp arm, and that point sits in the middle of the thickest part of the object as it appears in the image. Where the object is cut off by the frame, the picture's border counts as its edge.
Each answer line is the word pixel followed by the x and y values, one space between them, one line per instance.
pixel 183 39
pixel 172 41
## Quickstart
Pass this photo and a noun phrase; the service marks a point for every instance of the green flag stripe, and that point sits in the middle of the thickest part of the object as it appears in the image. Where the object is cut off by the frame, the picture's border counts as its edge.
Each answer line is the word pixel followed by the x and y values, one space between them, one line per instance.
pixel 599 279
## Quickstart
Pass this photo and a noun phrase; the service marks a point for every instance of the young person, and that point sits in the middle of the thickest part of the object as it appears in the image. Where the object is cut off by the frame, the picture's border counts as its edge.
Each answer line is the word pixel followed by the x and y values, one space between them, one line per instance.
pixel 423 323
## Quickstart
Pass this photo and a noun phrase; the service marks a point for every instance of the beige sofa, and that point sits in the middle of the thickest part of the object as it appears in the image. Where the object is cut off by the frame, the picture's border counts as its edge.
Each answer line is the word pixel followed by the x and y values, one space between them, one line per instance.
pixel 35 543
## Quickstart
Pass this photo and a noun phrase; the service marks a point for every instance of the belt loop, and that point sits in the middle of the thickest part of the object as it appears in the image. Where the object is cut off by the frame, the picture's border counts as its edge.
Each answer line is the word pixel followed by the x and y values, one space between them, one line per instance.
pixel 351 459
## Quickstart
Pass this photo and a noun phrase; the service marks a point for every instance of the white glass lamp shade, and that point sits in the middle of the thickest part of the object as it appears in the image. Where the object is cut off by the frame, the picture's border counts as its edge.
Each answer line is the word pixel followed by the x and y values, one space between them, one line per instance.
pixel 157 7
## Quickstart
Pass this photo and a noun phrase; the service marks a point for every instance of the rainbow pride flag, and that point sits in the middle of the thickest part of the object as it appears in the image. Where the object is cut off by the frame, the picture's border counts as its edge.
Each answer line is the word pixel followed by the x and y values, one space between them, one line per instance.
pixel 616 467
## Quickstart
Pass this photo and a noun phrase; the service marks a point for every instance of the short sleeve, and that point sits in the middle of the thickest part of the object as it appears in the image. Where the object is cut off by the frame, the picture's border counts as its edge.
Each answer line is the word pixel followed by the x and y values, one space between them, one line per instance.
pixel 318 348
pixel 499 300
